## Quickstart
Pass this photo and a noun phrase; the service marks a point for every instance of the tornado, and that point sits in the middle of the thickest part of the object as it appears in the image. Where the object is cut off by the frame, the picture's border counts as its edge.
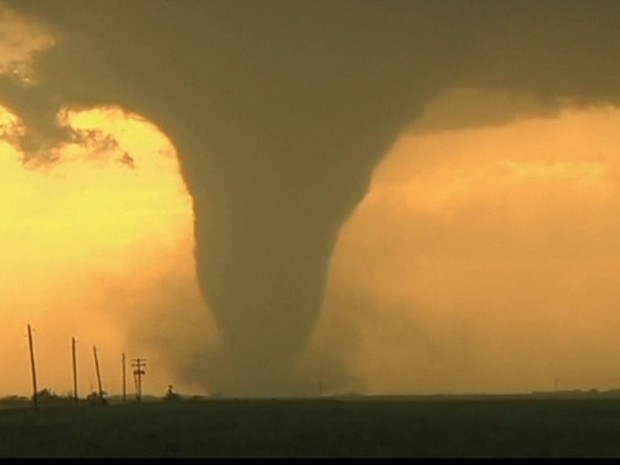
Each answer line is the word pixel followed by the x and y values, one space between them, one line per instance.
pixel 280 109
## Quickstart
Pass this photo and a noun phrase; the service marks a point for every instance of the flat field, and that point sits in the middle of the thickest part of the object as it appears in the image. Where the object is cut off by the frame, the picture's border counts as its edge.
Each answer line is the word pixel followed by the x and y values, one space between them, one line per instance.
pixel 365 427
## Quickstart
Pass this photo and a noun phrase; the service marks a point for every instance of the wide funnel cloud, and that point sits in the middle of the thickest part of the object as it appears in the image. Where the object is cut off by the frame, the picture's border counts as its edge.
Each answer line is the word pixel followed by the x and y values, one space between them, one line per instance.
pixel 280 110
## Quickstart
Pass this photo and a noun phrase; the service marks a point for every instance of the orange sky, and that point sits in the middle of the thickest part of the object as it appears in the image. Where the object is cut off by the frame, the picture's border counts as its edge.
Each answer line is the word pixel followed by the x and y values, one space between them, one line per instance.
pixel 483 260
pixel 86 243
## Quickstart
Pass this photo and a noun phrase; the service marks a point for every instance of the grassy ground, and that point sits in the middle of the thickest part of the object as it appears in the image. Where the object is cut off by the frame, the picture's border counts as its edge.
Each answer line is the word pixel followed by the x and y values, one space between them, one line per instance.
pixel 327 428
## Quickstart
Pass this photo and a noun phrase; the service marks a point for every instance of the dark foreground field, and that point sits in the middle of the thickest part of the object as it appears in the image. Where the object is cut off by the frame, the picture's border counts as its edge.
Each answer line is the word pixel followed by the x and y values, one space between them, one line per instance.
pixel 335 428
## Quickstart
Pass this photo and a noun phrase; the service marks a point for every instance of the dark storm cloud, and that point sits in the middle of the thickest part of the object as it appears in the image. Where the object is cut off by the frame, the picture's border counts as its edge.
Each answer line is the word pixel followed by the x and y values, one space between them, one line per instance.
pixel 281 108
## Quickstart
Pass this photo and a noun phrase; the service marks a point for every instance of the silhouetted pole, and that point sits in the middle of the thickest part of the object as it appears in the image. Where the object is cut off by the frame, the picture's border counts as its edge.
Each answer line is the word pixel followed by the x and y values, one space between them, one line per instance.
pixel 124 379
pixel 34 369
pixel 139 365
pixel 75 378
pixel 98 373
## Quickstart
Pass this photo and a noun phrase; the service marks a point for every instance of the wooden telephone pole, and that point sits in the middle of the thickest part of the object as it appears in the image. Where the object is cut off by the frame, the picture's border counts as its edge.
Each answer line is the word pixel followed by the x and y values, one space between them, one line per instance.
pixel 33 368
pixel 139 365
pixel 99 385
pixel 75 377
pixel 124 379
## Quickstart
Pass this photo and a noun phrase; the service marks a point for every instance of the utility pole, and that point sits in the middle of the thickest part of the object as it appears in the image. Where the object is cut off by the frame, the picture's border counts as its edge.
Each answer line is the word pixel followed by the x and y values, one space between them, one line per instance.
pixel 33 368
pixel 124 379
pixel 75 378
pixel 98 374
pixel 139 365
